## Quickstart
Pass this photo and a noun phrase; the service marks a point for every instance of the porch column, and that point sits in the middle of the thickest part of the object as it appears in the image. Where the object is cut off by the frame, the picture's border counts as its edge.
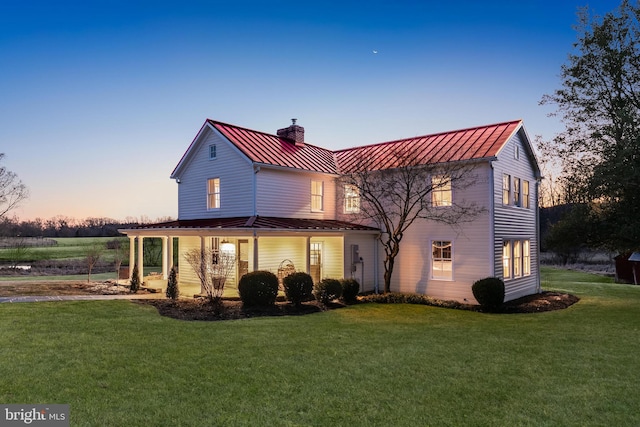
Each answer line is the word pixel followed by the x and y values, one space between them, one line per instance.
pixel 165 242
pixel 140 258
pixel 170 253
pixel 132 254
pixel 255 252
pixel 308 255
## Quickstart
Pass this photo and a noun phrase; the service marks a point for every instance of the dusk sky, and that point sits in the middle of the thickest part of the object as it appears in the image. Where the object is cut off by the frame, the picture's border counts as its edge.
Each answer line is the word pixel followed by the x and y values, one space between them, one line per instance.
pixel 100 99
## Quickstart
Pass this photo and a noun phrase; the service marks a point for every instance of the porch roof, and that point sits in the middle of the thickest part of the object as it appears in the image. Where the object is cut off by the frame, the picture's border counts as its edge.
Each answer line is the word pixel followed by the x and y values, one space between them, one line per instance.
pixel 258 223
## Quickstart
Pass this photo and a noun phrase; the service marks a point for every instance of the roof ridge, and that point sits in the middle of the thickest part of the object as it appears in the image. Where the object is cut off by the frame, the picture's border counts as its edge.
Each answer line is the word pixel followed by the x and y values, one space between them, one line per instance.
pixel 508 122
pixel 263 133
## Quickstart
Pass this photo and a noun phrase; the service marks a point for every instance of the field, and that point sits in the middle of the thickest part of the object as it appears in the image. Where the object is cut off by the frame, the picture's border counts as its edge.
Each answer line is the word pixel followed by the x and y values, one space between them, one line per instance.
pixel 67 248
pixel 119 363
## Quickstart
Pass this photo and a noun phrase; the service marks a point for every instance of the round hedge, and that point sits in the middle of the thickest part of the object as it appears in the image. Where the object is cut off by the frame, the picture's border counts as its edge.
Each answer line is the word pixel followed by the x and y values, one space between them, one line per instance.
pixel 489 292
pixel 258 289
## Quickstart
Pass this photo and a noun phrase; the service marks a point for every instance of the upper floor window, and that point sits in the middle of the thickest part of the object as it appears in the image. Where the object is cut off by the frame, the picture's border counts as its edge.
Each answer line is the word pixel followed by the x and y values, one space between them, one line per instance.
pixel 506 189
pixel 212 152
pixel 516 192
pixel 213 193
pixel 441 191
pixel 516 152
pixel 441 260
pixel 525 194
pixel 351 199
pixel 317 192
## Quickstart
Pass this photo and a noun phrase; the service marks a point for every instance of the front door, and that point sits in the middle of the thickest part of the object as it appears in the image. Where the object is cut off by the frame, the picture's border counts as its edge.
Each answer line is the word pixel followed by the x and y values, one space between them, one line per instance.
pixel 315 261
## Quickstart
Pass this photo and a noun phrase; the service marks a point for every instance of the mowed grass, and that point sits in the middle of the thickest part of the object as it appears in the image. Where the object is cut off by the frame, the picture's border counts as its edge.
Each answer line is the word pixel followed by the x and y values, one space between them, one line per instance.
pixel 119 363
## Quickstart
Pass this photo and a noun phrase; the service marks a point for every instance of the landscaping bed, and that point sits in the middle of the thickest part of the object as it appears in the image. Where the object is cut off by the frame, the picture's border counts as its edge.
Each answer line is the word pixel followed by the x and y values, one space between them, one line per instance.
pixel 201 309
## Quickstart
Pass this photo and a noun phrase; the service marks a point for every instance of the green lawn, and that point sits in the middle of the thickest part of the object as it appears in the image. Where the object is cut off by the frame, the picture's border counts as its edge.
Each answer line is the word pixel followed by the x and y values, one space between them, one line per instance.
pixel 120 364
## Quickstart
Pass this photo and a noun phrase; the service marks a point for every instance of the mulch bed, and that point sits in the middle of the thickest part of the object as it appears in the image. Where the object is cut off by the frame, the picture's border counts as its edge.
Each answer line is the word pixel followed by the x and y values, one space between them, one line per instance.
pixel 200 309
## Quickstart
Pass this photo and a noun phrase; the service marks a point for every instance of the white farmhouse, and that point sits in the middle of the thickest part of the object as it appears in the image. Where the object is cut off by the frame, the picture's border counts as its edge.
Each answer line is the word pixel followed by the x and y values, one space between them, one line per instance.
pixel 274 201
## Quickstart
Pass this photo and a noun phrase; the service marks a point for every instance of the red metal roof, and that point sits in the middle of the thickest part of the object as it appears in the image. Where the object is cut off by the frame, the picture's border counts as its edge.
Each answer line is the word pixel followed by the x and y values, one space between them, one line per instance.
pixel 465 144
pixel 269 149
pixel 482 142
pixel 259 222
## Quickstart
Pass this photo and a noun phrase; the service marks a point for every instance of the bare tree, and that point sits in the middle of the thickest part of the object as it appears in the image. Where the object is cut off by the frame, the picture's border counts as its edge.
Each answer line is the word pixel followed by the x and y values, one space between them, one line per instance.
pixel 395 197
pixel 92 256
pixel 213 268
pixel 120 251
pixel 12 190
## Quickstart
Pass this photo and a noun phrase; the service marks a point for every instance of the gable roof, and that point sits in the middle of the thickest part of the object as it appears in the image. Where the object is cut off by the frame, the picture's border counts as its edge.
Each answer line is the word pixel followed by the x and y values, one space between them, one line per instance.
pixel 269 149
pixel 483 142
pixel 477 143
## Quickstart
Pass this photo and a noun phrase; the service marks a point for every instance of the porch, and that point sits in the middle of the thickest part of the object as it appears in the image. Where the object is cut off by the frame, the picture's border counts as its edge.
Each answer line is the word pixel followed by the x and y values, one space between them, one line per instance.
pixel 321 248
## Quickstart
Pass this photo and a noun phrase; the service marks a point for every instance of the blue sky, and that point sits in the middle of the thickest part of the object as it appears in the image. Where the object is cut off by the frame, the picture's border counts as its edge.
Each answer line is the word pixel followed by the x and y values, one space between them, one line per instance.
pixel 100 99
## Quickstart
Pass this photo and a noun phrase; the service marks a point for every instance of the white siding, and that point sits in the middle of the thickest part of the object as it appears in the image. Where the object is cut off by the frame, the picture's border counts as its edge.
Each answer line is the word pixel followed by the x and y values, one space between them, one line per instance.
pixel 365 272
pixel 513 222
pixel 236 180
pixel 471 250
pixel 187 275
pixel 287 193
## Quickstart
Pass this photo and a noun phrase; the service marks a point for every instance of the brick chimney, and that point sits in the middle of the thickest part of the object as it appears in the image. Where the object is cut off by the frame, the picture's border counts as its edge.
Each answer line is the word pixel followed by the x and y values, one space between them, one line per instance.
pixel 294 133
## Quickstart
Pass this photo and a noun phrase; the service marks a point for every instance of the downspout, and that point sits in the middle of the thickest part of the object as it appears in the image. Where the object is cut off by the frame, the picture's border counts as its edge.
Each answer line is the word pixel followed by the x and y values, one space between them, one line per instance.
pixel 256 169
pixel 538 237
pixel 376 265
pixel 492 217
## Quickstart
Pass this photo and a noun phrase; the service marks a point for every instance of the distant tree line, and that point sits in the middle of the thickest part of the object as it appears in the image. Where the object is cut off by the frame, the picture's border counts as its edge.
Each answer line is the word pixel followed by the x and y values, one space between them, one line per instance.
pixel 64 226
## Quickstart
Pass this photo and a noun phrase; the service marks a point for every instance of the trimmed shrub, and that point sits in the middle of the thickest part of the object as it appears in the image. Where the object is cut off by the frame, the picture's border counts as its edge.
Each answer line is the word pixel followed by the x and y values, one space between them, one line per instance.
pixel 298 287
pixel 327 290
pixel 490 293
pixel 258 289
pixel 350 290
pixel 172 285
pixel 134 285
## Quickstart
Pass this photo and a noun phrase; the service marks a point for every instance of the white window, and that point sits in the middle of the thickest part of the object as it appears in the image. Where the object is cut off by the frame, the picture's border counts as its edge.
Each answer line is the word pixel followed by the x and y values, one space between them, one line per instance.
pixel 351 199
pixel 506 259
pixel 316 196
pixel 213 193
pixel 506 189
pixel 525 194
pixel 441 191
pixel 516 258
pixel 516 191
pixel 516 152
pixel 441 260
pixel 526 257
pixel 215 250
pixel 212 152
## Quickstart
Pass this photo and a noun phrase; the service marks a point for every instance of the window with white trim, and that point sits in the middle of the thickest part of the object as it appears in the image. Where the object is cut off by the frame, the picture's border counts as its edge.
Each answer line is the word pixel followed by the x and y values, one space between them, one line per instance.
pixel 506 259
pixel 213 193
pixel 212 152
pixel 441 260
pixel 351 199
pixel 516 258
pixel 441 190
pixel 215 250
pixel 317 191
pixel 516 192
pixel 506 189
pixel 525 194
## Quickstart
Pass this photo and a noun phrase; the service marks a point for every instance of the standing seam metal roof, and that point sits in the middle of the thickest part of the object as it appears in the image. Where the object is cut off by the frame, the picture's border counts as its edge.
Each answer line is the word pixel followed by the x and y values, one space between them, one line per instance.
pixel 480 142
